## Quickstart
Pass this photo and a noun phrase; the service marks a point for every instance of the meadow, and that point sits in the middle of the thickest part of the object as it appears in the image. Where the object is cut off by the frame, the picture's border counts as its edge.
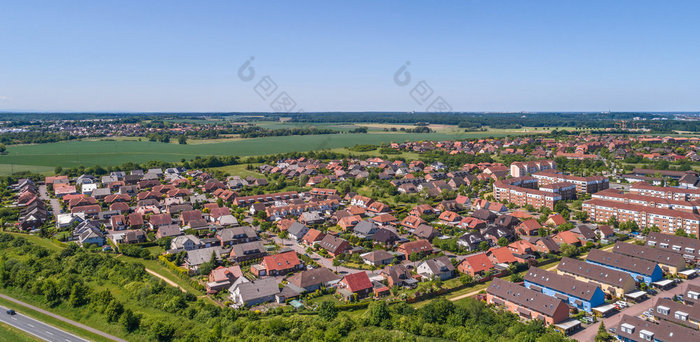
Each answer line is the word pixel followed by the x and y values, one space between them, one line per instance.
pixel 42 158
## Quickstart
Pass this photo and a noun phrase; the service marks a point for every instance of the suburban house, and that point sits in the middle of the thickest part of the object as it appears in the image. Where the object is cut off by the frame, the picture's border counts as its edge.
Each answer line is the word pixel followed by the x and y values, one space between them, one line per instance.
pixel 439 267
pixel 475 264
pixel 613 282
pixel 378 258
pixel 247 251
pixel 526 303
pixel 419 247
pixel 399 275
pixel 640 270
pixel 581 295
pixel 669 261
pixel 222 277
pixel 279 264
pixel 355 284
pixel 314 279
pixel 297 231
pixel 334 245
pixel 250 293
pixel 635 329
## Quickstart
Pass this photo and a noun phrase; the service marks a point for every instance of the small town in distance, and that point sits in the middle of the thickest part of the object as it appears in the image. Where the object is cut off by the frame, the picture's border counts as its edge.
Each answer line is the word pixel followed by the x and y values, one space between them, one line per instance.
pixel 558 230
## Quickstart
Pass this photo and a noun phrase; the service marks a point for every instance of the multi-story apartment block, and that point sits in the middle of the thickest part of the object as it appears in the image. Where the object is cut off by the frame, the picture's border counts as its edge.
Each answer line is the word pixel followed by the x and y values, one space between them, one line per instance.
pixel 524 196
pixel 667 220
pixel 647 201
pixel 585 185
pixel 520 169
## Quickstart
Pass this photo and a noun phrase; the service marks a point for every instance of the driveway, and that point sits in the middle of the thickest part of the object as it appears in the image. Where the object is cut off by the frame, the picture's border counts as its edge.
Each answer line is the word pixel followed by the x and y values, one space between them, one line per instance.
pixel 325 262
pixel 634 310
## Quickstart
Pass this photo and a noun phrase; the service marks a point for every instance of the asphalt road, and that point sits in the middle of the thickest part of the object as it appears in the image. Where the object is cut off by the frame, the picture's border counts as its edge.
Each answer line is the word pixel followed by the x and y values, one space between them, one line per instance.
pixel 55 205
pixel 40 327
pixel 634 310
pixel 37 328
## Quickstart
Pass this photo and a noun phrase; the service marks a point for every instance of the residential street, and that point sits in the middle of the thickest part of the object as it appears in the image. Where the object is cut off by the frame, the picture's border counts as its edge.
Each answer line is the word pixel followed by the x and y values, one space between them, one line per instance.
pixel 44 195
pixel 589 333
pixel 325 262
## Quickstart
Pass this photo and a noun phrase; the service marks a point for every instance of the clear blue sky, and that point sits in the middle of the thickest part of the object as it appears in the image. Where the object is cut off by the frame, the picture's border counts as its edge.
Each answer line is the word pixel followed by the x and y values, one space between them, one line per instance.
pixel 334 56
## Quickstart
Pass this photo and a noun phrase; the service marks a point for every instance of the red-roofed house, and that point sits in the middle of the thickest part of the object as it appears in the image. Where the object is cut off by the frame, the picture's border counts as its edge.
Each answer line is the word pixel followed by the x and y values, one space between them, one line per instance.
pixel 420 247
pixel 567 237
pixel 277 264
pixel 528 227
pixel 555 220
pixel 356 283
pixel 475 264
pixel 313 236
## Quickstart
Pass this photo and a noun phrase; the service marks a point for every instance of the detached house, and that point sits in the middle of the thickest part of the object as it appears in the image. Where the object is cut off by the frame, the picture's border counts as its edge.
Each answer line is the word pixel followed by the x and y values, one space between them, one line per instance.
pixel 355 284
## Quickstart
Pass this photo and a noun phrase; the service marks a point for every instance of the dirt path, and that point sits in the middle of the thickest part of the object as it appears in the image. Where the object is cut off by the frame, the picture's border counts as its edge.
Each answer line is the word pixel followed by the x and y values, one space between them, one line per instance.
pixel 170 282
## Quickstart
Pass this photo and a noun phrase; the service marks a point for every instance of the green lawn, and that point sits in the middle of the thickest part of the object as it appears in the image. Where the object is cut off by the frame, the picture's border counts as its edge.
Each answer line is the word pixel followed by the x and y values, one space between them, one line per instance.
pixel 44 157
pixel 8 333
pixel 240 170
pixel 48 319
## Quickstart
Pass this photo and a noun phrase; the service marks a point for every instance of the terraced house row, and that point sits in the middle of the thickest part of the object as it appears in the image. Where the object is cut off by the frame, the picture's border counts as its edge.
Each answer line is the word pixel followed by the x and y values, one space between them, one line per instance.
pixel 668 220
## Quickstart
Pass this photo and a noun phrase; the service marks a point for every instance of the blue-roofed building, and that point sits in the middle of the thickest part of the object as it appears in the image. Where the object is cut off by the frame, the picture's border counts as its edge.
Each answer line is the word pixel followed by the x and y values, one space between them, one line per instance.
pixel 640 270
pixel 575 293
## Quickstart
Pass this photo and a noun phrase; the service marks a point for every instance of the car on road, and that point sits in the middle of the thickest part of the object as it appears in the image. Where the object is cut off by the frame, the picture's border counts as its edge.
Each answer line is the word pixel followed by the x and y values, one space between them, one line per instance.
pixel 652 292
pixel 11 312
pixel 612 330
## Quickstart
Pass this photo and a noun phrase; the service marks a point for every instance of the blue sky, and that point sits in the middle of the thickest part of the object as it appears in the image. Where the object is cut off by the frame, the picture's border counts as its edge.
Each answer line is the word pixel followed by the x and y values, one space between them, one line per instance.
pixel 341 56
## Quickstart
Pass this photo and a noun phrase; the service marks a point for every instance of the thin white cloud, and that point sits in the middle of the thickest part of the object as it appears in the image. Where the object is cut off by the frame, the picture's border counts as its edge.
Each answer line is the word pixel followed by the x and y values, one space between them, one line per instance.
pixel 4 99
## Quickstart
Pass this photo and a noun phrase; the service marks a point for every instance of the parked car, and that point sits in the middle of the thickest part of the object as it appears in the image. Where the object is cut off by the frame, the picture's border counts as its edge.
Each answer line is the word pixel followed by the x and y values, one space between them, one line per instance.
pixel 612 330
pixel 11 312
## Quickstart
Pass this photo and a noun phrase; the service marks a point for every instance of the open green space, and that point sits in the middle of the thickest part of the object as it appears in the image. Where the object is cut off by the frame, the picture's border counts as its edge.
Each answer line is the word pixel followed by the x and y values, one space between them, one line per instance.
pixel 44 157
pixel 8 333
pixel 46 318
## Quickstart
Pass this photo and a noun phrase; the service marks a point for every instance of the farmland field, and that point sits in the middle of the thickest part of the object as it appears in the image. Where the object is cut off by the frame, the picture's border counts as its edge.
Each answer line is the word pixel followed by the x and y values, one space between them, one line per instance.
pixel 44 157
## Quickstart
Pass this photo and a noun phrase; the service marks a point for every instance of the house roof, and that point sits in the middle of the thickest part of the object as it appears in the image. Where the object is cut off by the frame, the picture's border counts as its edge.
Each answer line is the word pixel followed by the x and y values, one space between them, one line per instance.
pixel 313 277
pixel 594 272
pixel 524 297
pixel 561 283
pixel 357 281
pixel 657 255
pixel 281 261
pixel 439 265
pixel 620 261
pixel 477 263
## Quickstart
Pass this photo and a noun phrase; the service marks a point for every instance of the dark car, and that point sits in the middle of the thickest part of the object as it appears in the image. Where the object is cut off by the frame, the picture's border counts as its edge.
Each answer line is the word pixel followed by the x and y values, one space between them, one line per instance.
pixel 11 312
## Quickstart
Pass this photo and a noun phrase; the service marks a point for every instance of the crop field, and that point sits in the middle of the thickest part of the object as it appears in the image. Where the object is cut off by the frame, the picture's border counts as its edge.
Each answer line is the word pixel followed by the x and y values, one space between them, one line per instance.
pixel 43 158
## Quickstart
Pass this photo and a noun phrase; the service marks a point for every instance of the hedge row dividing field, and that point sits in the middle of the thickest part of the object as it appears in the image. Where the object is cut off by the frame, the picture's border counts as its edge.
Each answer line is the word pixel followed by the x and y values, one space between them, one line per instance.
pixel 44 157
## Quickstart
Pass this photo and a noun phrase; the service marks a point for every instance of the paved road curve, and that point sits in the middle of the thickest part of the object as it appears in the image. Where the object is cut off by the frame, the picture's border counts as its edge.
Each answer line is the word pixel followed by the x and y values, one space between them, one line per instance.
pixel 45 331
pixel 37 328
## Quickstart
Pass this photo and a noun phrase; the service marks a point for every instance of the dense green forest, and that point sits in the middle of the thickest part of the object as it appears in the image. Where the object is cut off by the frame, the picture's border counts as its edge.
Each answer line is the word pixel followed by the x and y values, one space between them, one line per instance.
pixel 122 299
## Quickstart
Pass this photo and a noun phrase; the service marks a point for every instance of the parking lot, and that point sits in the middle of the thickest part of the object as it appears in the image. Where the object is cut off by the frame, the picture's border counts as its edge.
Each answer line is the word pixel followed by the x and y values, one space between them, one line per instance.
pixel 589 333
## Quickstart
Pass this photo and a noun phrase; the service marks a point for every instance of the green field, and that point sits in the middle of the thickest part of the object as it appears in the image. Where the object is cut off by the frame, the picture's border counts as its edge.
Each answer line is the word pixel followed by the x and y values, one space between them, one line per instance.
pixel 44 157
pixel 8 333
